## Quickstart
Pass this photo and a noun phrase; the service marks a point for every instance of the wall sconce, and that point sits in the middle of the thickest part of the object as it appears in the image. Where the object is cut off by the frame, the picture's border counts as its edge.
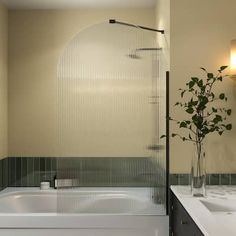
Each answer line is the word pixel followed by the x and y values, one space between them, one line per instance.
pixel 233 60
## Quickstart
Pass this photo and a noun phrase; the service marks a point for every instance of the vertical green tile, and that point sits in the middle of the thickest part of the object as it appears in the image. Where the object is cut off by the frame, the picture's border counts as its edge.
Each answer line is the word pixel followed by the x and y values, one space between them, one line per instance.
pixel 5 173
pixel 24 172
pixel 124 171
pixel 53 164
pixel 1 175
pixel 42 164
pixel 233 179
pixel 12 171
pixel 208 179
pixel 48 164
pixel 18 172
pixel 53 170
pixel 30 172
pixel 48 169
pixel 184 179
pixel 95 172
pixel 224 179
pixel 36 171
pixel 174 179
pixel 43 176
pixel 214 179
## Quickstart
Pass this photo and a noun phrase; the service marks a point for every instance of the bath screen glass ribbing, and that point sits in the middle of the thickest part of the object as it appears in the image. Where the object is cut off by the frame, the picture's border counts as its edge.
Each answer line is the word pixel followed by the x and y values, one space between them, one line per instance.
pixel 111 100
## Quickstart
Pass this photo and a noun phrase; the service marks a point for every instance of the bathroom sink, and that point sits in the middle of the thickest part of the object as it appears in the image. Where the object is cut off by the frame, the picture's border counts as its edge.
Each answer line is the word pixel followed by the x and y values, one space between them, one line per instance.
pixel 220 205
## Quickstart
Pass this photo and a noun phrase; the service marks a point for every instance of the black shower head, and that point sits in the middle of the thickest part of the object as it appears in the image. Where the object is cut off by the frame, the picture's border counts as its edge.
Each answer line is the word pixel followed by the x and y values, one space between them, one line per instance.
pixel 135 54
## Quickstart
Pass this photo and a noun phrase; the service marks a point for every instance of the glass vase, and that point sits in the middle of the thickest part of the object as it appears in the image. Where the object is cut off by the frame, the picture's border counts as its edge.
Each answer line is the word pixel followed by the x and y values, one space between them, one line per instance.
pixel 198 171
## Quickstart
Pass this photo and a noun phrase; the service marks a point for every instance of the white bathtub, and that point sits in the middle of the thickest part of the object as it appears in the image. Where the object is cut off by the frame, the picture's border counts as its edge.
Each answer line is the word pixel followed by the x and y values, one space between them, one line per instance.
pixel 89 211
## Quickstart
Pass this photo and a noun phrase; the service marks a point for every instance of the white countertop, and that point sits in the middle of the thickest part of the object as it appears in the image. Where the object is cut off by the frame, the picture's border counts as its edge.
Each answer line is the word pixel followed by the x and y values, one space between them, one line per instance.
pixel 211 224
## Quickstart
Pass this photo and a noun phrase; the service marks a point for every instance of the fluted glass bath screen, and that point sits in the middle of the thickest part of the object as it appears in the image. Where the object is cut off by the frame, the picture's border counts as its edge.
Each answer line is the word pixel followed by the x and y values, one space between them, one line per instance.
pixel 111 114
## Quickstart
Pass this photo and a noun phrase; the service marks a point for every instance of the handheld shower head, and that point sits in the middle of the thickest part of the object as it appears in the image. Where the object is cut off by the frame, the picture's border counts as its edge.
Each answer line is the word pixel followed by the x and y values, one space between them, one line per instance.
pixel 135 54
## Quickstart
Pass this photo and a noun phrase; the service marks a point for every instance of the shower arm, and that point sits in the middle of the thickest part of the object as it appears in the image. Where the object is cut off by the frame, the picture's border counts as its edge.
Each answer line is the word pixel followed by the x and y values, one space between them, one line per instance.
pixel 113 21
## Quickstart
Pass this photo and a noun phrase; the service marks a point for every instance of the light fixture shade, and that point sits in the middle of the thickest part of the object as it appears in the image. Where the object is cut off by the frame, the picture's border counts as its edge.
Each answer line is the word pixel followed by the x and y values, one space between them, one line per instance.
pixel 233 59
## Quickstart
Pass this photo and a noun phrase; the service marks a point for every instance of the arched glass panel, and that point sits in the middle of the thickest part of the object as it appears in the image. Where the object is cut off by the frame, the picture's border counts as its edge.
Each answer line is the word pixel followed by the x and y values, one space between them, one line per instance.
pixel 110 108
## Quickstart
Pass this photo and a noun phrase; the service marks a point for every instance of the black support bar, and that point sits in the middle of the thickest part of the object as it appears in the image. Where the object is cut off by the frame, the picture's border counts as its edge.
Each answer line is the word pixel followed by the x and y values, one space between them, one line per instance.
pixel 113 21
pixel 167 140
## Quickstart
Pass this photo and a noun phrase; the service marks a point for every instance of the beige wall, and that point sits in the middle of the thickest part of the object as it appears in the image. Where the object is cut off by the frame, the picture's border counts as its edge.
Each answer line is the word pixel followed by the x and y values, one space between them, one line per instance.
pixel 36 40
pixel 200 36
pixel 3 81
pixel 163 22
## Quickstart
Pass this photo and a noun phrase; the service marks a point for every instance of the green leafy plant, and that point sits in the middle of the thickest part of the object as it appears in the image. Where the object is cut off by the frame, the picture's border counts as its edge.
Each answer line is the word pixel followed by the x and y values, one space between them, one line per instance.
pixel 205 117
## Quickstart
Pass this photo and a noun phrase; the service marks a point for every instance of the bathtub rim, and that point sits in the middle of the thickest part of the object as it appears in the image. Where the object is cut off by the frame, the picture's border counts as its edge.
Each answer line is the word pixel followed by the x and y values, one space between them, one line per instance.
pixel 11 191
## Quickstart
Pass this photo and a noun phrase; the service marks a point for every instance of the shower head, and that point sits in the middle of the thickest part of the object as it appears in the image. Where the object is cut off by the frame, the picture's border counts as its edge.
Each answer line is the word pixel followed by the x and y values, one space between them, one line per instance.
pixel 135 53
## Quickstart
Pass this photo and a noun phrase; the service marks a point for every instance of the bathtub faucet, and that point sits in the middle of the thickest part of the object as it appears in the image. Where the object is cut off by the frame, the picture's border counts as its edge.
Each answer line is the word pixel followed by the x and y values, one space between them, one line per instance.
pixel 65 182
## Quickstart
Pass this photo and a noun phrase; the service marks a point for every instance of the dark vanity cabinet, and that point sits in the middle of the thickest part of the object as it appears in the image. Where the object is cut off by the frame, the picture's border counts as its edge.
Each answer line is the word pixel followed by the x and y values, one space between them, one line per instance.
pixel 181 224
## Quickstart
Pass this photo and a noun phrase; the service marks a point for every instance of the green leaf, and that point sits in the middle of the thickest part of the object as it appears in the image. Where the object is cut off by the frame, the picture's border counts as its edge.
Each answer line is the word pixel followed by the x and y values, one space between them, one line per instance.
pixel 182 93
pixel 217 119
pixel 212 95
pixel 203 100
pixel 177 103
pixel 214 109
pixel 210 75
pixel 200 83
pixel 194 79
pixel 220 78
pixel 228 127
pixel 183 125
pixel 203 88
pixel 163 136
pixel 198 121
pixel 190 110
pixel 192 103
pixel 222 68
pixel 202 104
pixel 173 135
pixel 194 118
pixel 229 111
pixel 183 138
pixel 222 96
pixel 220 132
pixel 191 84
pixel 203 69
pixel 212 129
